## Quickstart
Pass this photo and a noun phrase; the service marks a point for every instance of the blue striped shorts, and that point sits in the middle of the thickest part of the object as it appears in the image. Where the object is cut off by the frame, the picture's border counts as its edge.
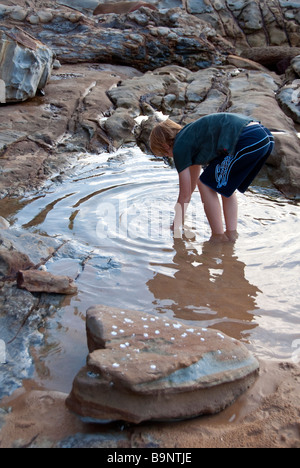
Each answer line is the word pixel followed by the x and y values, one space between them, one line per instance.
pixel 228 173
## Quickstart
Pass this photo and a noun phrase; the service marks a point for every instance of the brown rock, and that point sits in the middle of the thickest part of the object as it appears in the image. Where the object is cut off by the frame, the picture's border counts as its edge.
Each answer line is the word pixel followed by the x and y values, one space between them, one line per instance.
pixel 119 127
pixel 32 138
pixel 142 367
pixel 12 261
pixel 277 57
pixel 42 281
pixel 121 7
pixel 252 23
pixel 241 62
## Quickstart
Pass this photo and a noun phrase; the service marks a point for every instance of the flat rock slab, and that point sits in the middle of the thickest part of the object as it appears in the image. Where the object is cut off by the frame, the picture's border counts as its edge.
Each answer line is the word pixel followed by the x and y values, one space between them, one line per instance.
pixel 143 367
pixel 42 281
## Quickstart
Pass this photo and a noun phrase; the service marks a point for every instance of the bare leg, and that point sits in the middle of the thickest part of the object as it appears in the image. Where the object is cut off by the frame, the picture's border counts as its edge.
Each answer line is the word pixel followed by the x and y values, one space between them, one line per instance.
pixel 213 211
pixel 230 209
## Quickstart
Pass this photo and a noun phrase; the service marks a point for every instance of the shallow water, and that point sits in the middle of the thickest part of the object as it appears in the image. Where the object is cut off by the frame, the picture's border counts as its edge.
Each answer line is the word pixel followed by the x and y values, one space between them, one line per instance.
pixel 120 209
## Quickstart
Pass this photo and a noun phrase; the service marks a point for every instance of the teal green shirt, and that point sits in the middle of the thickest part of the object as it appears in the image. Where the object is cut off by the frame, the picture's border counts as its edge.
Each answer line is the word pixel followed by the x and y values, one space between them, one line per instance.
pixel 205 139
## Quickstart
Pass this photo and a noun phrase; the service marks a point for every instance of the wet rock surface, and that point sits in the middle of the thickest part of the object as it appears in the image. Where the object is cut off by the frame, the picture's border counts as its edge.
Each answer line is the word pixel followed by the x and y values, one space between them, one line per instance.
pixel 39 138
pixel 94 108
pixel 143 367
pixel 199 37
pixel 23 312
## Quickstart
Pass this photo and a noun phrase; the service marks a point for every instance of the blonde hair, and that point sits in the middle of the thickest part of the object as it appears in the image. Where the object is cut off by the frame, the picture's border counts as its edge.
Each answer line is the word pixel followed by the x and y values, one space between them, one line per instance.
pixel 163 134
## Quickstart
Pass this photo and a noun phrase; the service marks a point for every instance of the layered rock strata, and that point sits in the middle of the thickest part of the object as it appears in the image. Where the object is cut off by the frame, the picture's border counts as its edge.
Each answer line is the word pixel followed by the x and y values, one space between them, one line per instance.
pixel 145 39
pixel 259 23
pixel 142 367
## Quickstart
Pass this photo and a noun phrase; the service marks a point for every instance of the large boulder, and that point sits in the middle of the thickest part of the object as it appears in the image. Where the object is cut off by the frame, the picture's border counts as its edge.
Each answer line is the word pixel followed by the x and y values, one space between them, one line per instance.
pixel 143 367
pixel 25 66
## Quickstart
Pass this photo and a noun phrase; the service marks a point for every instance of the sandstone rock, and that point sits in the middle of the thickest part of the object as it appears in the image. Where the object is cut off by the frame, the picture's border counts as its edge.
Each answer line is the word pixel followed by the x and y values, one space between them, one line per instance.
pixel 259 23
pixel 143 131
pixel 18 14
pixel 42 281
pixel 131 93
pixel 90 5
pixel 251 24
pixel 33 19
pixel 241 62
pixel 277 58
pixel 25 65
pixel 119 127
pixel 12 261
pixel 142 367
pixel 45 16
pixel 37 137
pixel 121 7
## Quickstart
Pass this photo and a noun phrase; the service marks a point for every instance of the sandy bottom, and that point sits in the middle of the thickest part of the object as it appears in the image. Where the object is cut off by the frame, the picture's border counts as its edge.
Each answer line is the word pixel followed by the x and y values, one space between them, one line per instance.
pixel 267 415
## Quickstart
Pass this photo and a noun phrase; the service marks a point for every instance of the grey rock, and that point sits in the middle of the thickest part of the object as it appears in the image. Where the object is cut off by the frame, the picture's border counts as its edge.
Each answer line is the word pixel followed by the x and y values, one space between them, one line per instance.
pixel 289 100
pixel 295 63
pixel 25 65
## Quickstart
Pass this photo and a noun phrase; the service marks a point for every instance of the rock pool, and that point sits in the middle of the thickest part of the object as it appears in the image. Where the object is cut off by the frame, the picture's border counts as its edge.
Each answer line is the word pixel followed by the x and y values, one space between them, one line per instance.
pixel 115 212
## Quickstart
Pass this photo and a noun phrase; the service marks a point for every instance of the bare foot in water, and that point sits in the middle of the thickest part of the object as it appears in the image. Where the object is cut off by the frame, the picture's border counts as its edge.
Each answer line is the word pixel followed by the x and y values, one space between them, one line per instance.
pixel 232 235
pixel 217 238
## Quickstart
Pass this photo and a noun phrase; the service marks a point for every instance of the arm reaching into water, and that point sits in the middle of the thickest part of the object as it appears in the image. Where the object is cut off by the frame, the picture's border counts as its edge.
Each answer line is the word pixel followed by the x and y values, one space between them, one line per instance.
pixel 188 180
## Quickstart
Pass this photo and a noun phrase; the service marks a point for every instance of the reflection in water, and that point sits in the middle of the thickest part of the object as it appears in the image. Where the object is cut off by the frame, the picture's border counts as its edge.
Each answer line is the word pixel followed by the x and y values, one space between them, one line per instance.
pixel 210 286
